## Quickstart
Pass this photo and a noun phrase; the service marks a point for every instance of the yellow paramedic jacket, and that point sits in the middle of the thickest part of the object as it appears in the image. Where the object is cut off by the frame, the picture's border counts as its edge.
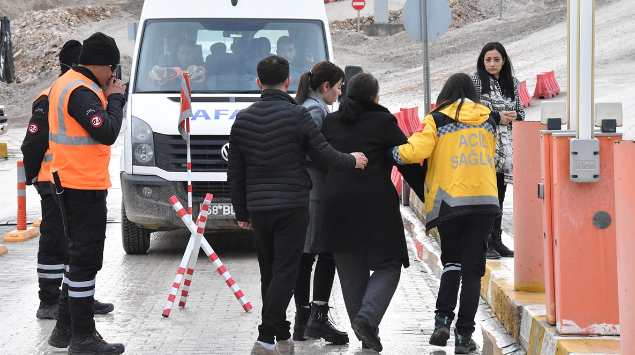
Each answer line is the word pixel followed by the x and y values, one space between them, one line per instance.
pixel 461 178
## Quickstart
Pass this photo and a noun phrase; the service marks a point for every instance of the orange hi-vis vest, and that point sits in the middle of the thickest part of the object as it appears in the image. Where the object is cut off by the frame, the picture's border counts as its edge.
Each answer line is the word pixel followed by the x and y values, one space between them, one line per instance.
pixel 80 160
pixel 45 169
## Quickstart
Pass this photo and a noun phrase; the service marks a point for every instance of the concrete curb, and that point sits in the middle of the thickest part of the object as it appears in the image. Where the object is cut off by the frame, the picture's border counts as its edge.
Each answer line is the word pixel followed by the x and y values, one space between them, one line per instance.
pixel 522 326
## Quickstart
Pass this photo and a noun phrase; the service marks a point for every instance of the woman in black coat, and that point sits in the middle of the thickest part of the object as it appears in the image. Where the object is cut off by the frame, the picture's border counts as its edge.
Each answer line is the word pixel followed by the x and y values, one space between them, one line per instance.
pixel 360 218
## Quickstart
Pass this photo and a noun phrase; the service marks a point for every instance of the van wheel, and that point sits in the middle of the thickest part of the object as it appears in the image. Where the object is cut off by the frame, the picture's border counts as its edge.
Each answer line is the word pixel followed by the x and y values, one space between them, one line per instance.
pixel 135 239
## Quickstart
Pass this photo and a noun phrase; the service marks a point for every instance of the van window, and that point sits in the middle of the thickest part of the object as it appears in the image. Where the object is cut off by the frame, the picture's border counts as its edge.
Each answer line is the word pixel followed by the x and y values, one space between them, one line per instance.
pixel 221 54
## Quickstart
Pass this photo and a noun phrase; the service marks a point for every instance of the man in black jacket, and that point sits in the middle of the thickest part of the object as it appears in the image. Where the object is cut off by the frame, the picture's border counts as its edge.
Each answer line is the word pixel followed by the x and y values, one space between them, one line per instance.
pixel 269 187
pixel 53 247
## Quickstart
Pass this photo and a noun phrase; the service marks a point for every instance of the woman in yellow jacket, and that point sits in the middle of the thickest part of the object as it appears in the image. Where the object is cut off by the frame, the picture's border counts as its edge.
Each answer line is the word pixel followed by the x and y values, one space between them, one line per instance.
pixel 458 140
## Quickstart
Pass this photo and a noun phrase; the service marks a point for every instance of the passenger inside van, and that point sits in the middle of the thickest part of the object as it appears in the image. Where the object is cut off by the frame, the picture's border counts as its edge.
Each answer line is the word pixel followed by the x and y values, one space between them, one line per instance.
pixel 219 61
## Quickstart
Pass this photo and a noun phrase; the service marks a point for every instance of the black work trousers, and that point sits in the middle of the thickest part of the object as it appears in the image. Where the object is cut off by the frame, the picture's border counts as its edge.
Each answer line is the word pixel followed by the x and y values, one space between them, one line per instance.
pixel 86 212
pixel 52 253
pixel 463 247
pixel 322 280
pixel 279 237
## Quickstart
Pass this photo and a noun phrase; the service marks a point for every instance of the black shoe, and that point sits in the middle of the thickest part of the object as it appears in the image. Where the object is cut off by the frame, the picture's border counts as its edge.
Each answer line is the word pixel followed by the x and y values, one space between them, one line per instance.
pixel 463 345
pixel 498 244
pixel 441 332
pixel 103 308
pixel 94 344
pixel 60 337
pixel 299 326
pixel 491 252
pixel 47 311
pixel 319 326
pixel 367 333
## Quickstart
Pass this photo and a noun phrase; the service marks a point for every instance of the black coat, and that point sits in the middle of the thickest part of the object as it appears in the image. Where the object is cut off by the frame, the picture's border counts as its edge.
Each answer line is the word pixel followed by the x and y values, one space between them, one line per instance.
pixel 268 145
pixel 360 209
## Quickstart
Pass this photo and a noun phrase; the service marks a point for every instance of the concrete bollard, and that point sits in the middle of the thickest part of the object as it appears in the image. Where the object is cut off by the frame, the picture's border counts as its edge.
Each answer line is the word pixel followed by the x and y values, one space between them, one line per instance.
pixel 625 243
pixel 22 233
pixel 528 258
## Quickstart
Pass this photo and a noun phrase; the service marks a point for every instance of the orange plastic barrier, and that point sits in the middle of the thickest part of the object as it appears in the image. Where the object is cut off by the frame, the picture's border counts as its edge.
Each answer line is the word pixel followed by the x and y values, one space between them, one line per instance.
pixel 546 85
pixel 624 212
pixel 584 249
pixel 408 121
pixel 528 257
pixel 525 99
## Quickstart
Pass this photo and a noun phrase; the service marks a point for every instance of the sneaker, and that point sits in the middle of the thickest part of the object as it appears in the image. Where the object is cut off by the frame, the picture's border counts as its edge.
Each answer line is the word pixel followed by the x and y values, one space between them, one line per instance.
pixel 463 345
pixel 47 311
pixel 60 337
pixel 103 308
pixel 367 333
pixel 94 344
pixel 285 347
pixel 441 332
pixel 259 349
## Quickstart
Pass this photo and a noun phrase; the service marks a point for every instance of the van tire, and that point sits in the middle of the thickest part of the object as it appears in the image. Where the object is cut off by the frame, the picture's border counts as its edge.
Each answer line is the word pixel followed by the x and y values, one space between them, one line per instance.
pixel 135 239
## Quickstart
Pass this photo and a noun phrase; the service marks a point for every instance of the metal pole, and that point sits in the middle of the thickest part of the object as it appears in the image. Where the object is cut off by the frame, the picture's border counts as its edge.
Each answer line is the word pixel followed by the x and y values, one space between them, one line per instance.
pixel 501 15
pixel 426 58
pixel 357 20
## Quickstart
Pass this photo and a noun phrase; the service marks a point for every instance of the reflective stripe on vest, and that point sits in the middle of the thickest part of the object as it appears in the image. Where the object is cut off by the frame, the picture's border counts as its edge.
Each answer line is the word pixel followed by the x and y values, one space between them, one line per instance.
pixel 81 161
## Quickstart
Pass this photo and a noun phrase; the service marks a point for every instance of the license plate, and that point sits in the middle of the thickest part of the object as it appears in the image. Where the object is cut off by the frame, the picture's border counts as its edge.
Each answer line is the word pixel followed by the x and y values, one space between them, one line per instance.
pixel 221 209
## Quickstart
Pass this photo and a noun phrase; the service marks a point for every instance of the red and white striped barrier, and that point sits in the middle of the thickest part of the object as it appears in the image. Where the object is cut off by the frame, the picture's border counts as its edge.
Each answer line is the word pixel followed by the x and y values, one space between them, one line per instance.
pixel 196 234
pixel 222 270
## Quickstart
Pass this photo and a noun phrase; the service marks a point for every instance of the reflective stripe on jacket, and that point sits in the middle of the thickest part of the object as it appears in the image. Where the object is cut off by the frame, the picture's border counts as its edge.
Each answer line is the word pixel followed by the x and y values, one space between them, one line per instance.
pixel 81 161
pixel 45 169
pixel 461 178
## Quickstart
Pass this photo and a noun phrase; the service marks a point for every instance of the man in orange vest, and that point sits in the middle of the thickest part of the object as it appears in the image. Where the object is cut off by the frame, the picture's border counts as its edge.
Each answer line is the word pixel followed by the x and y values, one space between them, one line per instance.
pixel 53 246
pixel 84 120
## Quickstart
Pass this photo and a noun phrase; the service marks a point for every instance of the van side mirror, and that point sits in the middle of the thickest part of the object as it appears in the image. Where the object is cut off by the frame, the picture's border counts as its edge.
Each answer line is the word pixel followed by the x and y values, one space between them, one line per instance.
pixel 349 72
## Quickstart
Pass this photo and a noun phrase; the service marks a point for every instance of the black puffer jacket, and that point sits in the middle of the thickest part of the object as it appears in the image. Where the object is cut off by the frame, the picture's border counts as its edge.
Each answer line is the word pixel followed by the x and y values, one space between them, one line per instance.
pixel 268 145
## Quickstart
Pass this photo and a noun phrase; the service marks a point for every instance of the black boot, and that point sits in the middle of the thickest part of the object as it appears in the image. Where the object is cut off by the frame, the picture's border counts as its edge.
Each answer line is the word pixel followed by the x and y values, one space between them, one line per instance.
pixel 319 326
pixel 102 308
pixel 301 317
pixel 94 344
pixel 498 244
pixel 60 337
pixel 491 252
pixel 441 332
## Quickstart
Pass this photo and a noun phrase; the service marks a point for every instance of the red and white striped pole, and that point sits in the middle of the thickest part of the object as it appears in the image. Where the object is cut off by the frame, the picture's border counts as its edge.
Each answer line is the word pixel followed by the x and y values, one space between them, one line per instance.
pixel 188 250
pixel 21 233
pixel 201 221
pixel 189 169
pixel 222 270
pixel 229 280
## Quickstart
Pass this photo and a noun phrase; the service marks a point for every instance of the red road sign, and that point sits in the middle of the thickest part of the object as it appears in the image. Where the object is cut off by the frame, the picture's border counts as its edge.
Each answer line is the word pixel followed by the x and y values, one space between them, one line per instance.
pixel 358 4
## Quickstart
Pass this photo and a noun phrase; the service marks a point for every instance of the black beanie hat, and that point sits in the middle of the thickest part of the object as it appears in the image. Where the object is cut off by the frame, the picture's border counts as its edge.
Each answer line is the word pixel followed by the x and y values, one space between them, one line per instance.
pixel 99 49
pixel 69 54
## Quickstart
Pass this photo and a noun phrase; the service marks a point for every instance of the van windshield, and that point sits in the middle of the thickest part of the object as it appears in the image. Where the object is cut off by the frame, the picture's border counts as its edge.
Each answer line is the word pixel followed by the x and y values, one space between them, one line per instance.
pixel 220 55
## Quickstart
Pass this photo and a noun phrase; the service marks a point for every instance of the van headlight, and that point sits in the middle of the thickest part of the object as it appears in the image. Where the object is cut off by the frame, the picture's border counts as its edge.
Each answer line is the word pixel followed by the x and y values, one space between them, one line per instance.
pixel 142 143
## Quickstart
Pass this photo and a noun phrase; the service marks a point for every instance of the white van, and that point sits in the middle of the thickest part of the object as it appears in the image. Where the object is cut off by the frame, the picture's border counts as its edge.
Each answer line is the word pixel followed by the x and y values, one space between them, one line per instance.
pixel 219 43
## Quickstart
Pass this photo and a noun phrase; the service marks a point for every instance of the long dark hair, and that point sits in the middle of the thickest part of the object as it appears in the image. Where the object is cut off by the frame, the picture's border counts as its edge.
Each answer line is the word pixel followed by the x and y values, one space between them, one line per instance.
pixel 322 72
pixel 458 87
pixel 360 89
pixel 506 76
